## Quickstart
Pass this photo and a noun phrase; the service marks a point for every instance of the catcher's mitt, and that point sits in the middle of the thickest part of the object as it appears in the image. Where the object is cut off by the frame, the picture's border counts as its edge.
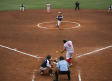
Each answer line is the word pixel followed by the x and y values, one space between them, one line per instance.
pixel 56 60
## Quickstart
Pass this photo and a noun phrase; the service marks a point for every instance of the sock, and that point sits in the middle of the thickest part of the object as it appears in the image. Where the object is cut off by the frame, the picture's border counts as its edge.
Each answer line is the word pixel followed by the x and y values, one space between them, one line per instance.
pixel 69 61
pixel 70 58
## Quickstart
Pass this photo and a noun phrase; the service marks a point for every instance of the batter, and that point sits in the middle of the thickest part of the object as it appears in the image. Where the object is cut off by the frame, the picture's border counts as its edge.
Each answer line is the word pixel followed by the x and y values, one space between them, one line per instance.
pixel 70 50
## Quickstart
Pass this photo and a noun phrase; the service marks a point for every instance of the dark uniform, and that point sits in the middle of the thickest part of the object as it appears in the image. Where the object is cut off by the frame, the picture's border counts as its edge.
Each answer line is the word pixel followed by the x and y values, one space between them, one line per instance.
pixel 77 5
pixel 59 18
pixel 46 65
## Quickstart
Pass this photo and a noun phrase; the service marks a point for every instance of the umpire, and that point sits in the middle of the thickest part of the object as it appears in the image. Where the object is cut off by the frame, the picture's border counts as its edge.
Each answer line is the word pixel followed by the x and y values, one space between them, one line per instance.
pixel 77 5
pixel 62 66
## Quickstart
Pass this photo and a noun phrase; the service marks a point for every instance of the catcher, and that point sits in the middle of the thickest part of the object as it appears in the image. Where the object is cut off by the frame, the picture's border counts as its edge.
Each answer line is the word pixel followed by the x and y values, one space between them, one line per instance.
pixel 46 65
pixel 59 17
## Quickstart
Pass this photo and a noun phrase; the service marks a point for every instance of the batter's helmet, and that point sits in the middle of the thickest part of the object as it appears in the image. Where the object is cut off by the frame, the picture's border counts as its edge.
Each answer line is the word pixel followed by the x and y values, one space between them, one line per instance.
pixel 48 56
pixel 65 40
pixel 61 58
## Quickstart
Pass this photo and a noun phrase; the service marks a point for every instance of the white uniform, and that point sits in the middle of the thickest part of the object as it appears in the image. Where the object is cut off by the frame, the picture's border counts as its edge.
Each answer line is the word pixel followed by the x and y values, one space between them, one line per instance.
pixel 48 7
pixel 22 7
pixel 69 47
pixel 110 7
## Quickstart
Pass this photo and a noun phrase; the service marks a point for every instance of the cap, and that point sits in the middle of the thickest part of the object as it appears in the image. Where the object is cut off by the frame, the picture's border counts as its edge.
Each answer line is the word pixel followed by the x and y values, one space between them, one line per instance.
pixel 59 12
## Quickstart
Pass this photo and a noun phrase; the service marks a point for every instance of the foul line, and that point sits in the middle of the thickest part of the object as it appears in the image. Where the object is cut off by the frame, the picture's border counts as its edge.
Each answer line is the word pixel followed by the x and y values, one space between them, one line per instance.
pixel 55 28
pixel 79 76
pixel 93 51
pixel 20 51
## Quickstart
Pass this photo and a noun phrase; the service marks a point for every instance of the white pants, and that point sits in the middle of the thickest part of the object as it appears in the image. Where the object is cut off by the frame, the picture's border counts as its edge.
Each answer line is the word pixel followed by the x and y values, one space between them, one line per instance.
pixel 48 9
pixel 59 22
pixel 69 54
pixel 21 8
pixel 109 8
pixel 41 68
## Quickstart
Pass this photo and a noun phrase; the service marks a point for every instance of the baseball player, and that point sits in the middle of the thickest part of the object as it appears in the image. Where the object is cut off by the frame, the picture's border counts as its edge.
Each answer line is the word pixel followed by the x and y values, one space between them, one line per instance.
pixel 77 5
pixel 46 65
pixel 70 50
pixel 59 18
pixel 110 7
pixel 22 7
pixel 48 7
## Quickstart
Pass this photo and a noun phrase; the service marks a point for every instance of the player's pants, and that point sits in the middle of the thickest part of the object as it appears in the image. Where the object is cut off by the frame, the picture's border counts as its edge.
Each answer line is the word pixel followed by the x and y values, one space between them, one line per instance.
pixel 109 9
pixel 59 22
pixel 21 8
pixel 43 69
pixel 48 9
pixel 62 72
pixel 77 7
pixel 69 54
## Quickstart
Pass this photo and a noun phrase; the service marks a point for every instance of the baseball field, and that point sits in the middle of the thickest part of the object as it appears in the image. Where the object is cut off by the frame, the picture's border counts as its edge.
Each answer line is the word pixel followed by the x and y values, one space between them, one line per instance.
pixel 27 37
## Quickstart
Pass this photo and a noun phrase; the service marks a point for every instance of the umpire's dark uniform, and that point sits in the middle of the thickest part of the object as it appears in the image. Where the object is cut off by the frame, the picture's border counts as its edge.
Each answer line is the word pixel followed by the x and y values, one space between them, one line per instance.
pixel 63 68
pixel 77 5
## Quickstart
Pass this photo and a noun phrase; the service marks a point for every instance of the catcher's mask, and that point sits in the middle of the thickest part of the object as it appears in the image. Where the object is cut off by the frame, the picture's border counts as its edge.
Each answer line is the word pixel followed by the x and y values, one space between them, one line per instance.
pixel 61 58
pixel 65 40
pixel 48 57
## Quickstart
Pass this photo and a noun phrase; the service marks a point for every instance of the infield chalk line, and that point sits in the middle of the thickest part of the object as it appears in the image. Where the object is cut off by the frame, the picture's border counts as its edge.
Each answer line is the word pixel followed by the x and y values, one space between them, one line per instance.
pixel 33 78
pixel 20 52
pixel 79 76
pixel 94 51
pixel 56 28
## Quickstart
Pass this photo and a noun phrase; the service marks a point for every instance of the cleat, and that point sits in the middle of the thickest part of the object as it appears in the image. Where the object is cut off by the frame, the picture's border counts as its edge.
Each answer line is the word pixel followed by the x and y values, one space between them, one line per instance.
pixel 70 64
pixel 51 74
pixel 41 73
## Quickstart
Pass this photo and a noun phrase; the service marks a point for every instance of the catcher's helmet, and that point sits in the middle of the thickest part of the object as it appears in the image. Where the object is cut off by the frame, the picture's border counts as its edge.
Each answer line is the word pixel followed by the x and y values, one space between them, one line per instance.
pixel 48 56
pixel 65 40
pixel 61 58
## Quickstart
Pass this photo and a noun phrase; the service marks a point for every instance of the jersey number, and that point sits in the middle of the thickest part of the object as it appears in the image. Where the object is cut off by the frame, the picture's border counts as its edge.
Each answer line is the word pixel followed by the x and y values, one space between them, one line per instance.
pixel 69 45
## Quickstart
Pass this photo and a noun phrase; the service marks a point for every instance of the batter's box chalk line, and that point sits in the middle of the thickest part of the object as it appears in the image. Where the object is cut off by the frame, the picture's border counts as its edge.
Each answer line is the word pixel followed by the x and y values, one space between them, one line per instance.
pixel 35 56
pixel 61 21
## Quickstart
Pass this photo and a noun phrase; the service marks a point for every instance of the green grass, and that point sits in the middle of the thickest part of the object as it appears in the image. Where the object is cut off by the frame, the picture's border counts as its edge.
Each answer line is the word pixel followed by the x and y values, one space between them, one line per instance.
pixel 55 4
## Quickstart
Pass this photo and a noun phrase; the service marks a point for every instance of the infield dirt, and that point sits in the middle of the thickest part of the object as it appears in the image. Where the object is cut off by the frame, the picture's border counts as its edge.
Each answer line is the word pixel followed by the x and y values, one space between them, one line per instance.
pixel 19 30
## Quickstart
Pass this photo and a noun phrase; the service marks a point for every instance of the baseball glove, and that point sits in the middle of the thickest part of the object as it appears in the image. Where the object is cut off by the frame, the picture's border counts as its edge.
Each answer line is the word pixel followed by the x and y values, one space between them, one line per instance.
pixel 56 60
pixel 58 17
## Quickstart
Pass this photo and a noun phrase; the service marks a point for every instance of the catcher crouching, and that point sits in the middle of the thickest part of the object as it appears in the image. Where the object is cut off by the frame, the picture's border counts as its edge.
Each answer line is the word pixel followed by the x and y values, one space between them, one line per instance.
pixel 46 65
